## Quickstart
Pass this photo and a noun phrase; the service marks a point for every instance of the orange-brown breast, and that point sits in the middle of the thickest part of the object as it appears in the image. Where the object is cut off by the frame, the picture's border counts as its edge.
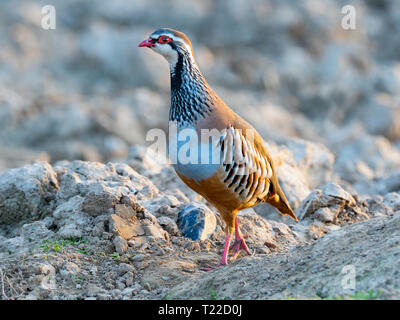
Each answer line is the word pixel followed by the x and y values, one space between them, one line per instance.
pixel 214 191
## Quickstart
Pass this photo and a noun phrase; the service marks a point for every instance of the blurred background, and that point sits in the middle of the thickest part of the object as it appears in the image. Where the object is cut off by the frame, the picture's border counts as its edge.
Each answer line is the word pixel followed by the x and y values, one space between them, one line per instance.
pixel 86 91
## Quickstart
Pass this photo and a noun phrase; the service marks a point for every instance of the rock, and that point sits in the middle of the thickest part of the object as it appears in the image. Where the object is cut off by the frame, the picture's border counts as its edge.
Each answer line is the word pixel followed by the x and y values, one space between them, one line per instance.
pixel 136 242
pixel 125 228
pixel 27 192
pixel 316 231
pixel 124 268
pixel 129 224
pixel 127 292
pixel 71 268
pixel 311 204
pixel 163 205
pixel 120 244
pixel 138 257
pixel 377 208
pixel 154 231
pixel 392 200
pixel 325 215
pixel 147 215
pixel 93 290
pixel 169 225
pixel 152 278
pixel 196 222
pixel 36 231
pixel 70 218
pixel 99 184
pixel 264 232
pixel 332 191
pixel 125 212
pixel 46 269
pixel 331 195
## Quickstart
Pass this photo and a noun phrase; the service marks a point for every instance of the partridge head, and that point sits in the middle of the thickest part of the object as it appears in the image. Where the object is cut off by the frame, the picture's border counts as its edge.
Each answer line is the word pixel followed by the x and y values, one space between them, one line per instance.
pixel 170 44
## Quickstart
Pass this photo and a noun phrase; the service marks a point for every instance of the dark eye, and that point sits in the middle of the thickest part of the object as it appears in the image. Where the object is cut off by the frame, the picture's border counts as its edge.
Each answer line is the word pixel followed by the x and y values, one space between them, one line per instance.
pixel 164 39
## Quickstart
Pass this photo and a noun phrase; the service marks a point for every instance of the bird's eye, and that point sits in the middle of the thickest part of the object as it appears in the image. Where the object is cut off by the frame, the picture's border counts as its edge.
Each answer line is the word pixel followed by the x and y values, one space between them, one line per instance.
pixel 164 39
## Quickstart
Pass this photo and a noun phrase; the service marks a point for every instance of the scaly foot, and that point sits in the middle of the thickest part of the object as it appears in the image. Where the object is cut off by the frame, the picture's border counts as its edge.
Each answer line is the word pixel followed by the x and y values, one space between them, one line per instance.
pixel 238 245
pixel 224 259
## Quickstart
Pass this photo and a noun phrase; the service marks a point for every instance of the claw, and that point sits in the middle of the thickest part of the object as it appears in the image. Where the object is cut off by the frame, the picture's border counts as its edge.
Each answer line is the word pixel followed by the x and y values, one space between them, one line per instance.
pixel 213 268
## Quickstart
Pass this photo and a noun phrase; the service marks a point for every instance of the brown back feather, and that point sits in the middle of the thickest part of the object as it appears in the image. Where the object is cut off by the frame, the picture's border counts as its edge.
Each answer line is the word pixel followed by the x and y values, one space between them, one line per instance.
pixel 224 117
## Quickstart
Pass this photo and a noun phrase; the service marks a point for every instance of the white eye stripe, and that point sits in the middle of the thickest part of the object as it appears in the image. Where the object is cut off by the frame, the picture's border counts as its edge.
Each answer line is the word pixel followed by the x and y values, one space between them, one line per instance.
pixel 157 35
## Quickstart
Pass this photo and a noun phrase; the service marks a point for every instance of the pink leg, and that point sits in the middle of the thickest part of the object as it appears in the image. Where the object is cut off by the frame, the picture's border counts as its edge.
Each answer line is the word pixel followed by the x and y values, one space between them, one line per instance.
pixel 224 259
pixel 226 250
pixel 239 243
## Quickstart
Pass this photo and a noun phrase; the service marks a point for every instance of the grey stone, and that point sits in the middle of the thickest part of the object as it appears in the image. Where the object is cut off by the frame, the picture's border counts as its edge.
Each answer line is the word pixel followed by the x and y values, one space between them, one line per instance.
pixel 196 222
pixel 138 257
pixel 154 231
pixel 93 290
pixel 169 225
pixel 120 244
pixel 331 195
pixel 392 200
pixel 26 192
pixel 325 214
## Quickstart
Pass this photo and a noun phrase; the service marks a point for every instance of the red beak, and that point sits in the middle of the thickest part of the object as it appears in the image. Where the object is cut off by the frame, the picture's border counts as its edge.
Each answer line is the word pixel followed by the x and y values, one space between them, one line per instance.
pixel 146 43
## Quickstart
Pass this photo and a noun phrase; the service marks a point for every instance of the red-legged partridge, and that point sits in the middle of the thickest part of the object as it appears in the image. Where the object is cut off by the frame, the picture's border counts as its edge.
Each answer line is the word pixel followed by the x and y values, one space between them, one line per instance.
pixel 232 168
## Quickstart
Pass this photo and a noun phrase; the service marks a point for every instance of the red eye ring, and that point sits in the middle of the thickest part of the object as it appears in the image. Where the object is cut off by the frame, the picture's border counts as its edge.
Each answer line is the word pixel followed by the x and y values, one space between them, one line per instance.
pixel 164 39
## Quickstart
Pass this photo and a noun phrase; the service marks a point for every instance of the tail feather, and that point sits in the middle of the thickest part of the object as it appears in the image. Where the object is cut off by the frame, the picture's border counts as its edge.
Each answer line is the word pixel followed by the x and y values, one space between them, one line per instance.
pixel 277 199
